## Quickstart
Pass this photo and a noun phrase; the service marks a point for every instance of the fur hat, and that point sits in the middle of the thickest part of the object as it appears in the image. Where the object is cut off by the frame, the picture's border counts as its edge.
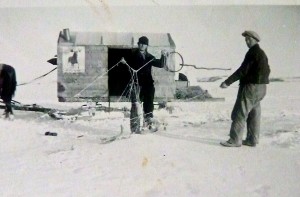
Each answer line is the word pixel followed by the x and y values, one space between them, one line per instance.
pixel 251 34
pixel 143 40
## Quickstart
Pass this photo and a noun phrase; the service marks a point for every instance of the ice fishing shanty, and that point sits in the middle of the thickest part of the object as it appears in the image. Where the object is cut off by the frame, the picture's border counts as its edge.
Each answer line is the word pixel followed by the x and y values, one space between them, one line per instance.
pixel 85 59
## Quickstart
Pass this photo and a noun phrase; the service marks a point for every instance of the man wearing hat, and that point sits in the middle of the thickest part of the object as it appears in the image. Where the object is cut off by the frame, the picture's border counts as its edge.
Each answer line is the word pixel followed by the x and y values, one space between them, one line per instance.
pixel 253 75
pixel 142 61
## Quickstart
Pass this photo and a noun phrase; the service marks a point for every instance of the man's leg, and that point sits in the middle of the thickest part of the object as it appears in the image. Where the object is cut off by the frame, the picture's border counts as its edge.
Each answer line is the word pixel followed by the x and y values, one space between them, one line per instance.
pixel 254 117
pixel 238 117
pixel 148 94
pixel 253 125
pixel 242 107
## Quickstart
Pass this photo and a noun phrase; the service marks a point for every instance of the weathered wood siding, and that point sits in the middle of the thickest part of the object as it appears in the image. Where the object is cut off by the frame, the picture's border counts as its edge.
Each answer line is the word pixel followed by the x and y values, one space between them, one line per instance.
pixel 95 69
pixel 90 80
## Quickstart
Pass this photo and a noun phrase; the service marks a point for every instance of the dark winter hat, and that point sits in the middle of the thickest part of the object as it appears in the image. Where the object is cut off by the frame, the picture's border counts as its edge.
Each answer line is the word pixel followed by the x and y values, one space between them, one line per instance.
pixel 251 34
pixel 143 40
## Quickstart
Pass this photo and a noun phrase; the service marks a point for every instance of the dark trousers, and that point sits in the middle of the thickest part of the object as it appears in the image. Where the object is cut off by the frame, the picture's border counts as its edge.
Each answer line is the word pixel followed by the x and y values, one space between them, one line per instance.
pixel 247 110
pixel 147 97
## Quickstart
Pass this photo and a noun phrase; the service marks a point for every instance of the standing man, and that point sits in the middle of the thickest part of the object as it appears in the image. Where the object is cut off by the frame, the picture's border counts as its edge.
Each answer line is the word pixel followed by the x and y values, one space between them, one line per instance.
pixel 8 85
pixel 253 75
pixel 142 62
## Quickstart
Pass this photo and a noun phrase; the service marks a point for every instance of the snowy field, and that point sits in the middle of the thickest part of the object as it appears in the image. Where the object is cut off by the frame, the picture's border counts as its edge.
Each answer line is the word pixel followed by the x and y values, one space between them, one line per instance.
pixel 184 158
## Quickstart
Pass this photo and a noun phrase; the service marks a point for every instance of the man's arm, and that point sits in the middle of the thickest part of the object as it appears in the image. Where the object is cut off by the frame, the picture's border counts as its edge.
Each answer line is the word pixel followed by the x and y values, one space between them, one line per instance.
pixel 160 63
pixel 239 73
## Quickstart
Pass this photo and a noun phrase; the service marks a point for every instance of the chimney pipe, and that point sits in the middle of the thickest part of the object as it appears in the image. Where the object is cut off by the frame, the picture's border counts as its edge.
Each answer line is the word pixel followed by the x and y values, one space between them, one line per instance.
pixel 66 34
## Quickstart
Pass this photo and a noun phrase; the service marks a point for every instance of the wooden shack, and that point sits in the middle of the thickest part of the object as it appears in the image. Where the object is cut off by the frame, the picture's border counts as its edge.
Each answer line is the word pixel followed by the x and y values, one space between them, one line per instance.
pixel 86 60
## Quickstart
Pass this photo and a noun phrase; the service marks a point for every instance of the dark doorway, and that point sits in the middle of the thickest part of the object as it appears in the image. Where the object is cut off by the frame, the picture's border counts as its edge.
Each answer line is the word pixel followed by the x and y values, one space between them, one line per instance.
pixel 119 76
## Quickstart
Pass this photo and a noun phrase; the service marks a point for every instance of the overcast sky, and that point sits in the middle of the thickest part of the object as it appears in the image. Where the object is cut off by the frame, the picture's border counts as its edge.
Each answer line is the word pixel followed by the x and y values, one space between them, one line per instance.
pixel 205 35
pixel 37 3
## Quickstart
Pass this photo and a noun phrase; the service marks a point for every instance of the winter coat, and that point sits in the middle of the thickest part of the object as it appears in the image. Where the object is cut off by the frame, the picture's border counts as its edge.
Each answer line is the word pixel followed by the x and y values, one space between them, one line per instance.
pixel 254 69
pixel 137 61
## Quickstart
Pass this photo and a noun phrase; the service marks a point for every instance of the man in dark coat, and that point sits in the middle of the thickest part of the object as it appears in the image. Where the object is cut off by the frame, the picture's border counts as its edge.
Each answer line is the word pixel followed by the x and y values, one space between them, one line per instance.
pixel 8 85
pixel 253 75
pixel 142 61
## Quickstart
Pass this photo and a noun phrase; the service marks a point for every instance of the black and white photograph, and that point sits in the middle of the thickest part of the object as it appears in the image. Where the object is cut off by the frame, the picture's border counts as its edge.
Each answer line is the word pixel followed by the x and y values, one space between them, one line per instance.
pixel 150 98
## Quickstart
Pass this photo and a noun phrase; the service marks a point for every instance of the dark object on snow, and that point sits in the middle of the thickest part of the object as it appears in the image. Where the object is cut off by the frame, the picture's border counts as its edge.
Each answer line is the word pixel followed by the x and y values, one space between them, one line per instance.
pixel 8 85
pixel 276 80
pixel 192 92
pixel 182 77
pixel 51 133
pixel 52 61
pixel 162 105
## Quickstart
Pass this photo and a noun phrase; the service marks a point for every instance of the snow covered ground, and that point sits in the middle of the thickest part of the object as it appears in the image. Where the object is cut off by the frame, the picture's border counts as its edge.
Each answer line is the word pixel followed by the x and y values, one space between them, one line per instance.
pixel 183 159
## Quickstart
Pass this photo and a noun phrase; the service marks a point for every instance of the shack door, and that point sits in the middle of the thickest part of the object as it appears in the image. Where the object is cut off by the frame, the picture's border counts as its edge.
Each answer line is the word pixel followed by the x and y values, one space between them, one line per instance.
pixel 119 77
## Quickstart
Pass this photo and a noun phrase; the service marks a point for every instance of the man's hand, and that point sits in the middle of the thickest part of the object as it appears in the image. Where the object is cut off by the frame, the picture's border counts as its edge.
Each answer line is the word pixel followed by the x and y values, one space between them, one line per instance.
pixel 223 85
pixel 164 52
pixel 123 61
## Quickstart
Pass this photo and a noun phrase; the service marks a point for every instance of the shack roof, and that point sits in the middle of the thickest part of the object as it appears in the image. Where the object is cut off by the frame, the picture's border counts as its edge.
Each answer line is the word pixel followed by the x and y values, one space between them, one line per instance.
pixel 118 39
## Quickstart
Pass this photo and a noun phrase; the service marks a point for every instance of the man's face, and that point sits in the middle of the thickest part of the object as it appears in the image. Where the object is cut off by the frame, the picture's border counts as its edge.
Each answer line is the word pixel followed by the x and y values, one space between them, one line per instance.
pixel 142 47
pixel 250 41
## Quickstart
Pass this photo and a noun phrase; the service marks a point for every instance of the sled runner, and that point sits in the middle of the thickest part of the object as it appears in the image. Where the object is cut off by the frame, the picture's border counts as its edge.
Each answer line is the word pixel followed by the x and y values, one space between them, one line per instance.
pixel 25 107
pixel 86 110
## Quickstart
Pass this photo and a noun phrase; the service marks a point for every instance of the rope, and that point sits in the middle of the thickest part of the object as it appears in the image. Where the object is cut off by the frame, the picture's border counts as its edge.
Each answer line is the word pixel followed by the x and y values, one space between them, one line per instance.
pixel 143 65
pixel 133 73
pixel 124 91
pixel 134 86
pixel 98 77
pixel 37 78
pixel 205 67
pixel 139 68
pixel 183 64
